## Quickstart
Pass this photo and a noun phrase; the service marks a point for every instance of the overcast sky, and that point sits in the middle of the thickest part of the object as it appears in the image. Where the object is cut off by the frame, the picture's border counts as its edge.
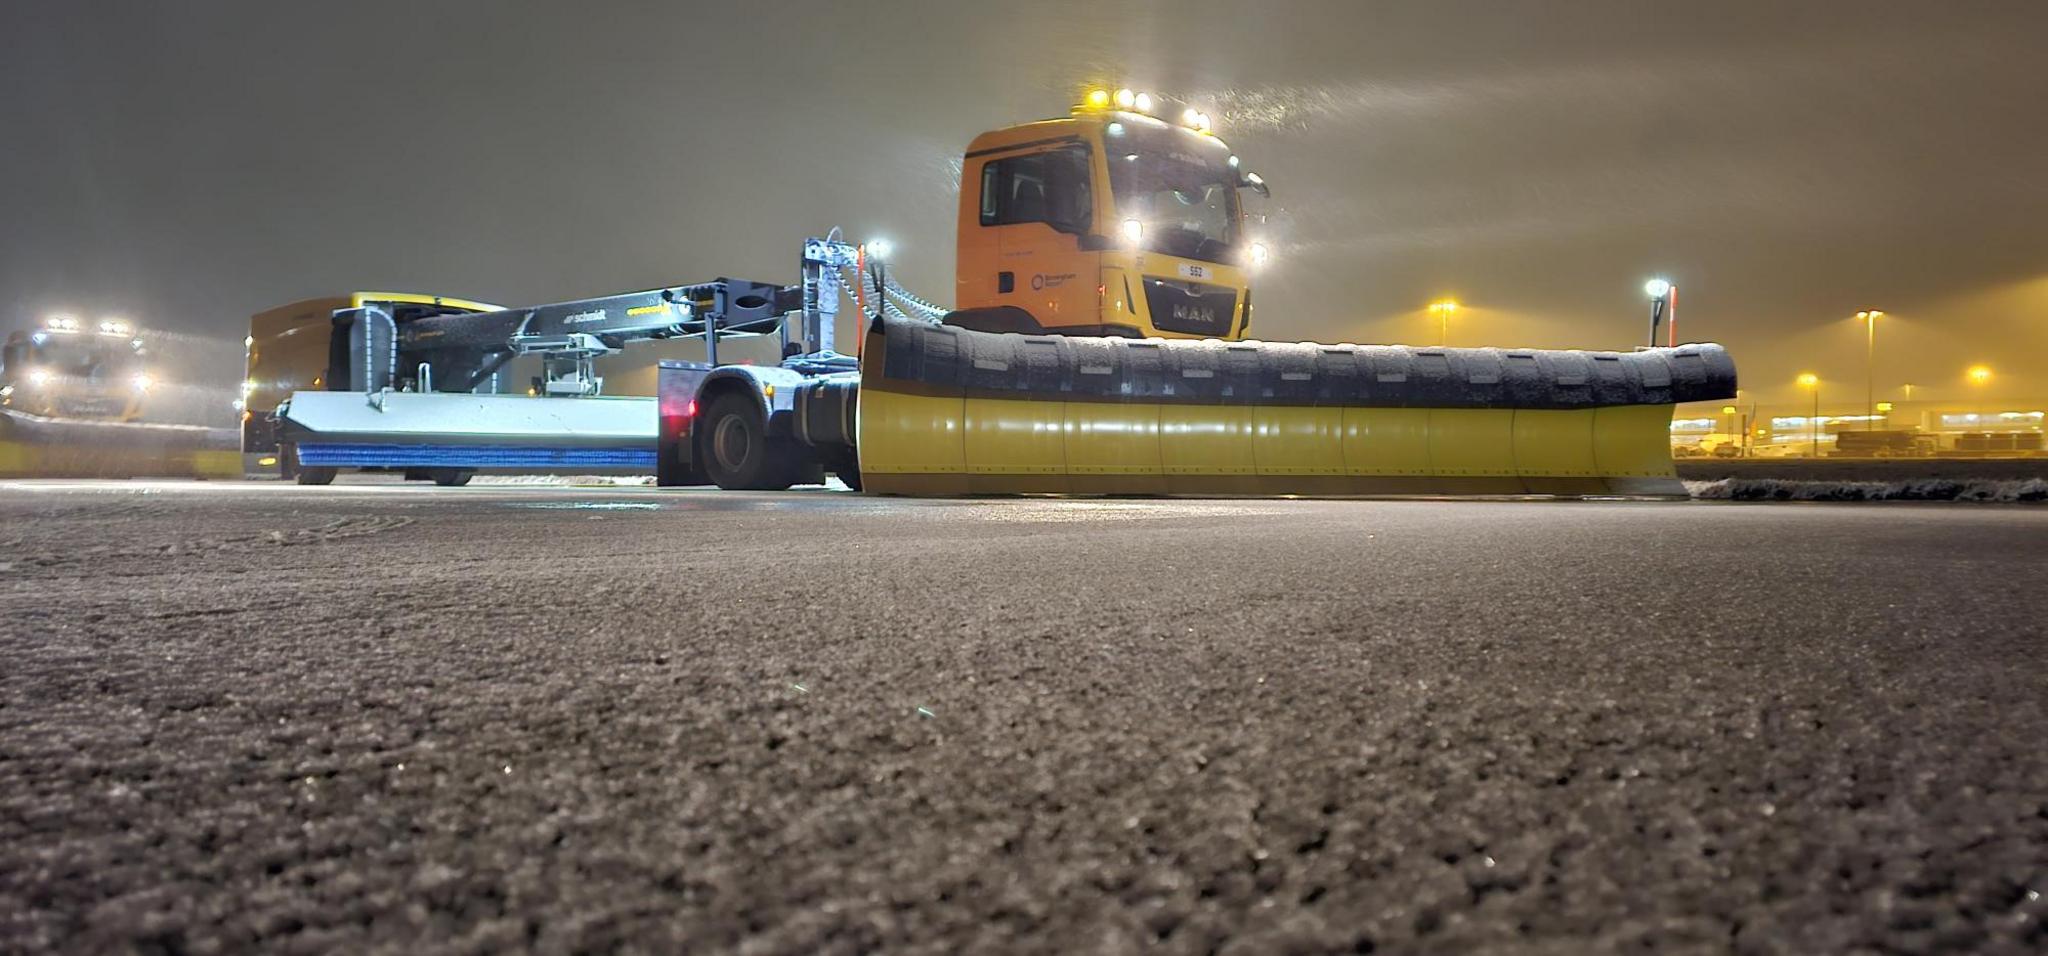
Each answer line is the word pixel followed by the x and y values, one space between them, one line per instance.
pixel 1785 163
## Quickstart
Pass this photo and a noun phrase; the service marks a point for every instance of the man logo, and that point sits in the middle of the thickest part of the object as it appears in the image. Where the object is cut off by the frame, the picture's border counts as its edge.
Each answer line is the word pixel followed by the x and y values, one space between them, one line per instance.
pixel 1038 282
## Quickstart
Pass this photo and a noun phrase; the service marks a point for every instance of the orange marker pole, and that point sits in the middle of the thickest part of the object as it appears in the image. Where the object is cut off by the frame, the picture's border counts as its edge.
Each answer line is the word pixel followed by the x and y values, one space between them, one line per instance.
pixel 1671 312
pixel 860 299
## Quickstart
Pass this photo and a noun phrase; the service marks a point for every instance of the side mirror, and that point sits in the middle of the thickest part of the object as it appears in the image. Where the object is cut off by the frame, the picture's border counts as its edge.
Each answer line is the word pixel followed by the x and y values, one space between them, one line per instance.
pixel 1257 184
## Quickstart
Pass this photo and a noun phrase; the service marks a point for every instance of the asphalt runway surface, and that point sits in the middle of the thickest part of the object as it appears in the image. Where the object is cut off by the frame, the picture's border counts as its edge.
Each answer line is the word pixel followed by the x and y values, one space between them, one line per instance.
pixel 407 719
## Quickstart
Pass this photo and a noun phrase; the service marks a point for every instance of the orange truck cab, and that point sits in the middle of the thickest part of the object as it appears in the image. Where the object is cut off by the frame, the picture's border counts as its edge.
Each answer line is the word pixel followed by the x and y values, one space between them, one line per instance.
pixel 1109 221
pixel 290 348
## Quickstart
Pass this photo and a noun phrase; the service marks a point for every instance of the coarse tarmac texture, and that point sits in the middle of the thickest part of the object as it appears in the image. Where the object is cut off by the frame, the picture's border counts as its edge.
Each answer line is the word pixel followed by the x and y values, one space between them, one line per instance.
pixel 381 718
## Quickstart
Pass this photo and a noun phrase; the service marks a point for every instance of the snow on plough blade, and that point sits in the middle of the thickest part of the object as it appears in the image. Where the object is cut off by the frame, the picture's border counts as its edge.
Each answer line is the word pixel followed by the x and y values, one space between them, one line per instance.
pixel 34 447
pixel 947 411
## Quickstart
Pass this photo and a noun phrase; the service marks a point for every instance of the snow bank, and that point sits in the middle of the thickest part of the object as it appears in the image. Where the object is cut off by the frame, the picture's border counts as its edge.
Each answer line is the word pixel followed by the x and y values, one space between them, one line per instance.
pixel 1924 489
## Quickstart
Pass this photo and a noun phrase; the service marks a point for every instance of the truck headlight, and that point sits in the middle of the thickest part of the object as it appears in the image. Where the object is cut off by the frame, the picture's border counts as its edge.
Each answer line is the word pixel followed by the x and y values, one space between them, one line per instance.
pixel 39 377
pixel 1260 253
pixel 142 381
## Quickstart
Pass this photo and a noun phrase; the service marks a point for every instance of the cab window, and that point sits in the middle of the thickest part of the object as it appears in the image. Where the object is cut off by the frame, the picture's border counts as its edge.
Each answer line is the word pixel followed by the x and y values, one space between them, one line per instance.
pixel 1050 187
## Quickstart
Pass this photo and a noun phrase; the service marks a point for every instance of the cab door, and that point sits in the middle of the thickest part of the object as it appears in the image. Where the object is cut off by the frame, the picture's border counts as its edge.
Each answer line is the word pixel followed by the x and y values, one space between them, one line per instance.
pixel 1039 206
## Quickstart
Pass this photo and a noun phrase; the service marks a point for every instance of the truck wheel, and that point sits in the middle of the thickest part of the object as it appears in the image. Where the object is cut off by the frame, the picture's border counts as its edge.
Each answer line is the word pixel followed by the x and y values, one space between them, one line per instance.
pixel 739 455
pixel 450 477
pixel 288 465
pixel 847 466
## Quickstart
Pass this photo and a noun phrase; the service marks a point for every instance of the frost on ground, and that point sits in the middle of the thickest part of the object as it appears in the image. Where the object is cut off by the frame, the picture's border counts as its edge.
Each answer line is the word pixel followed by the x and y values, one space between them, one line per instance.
pixel 1926 489
pixel 570 480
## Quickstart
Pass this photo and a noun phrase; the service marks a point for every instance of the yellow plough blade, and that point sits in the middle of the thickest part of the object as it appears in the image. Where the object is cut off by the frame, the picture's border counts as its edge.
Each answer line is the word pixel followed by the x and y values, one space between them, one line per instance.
pixel 948 411
pixel 32 447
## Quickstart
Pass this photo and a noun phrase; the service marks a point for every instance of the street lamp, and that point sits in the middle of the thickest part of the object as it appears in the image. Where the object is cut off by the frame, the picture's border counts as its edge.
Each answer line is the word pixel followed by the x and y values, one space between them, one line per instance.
pixel 1811 382
pixel 1442 309
pixel 1659 291
pixel 1979 376
pixel 1869 318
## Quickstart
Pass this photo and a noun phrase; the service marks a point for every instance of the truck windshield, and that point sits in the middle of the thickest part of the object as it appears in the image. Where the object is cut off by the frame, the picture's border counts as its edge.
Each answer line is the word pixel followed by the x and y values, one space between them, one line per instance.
pixel 1188 208
pixel 83 358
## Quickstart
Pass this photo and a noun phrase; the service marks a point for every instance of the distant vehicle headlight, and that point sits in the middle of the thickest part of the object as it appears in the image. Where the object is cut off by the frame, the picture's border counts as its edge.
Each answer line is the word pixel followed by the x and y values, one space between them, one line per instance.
pixel 39 377
pixel 142 381
pixel 1134 230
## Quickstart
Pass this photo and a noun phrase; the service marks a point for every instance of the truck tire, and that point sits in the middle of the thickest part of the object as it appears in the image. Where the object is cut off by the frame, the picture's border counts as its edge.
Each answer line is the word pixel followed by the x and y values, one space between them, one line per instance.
pixel 288 464
pixel 739 454
pixel 847 466
pixel 450 477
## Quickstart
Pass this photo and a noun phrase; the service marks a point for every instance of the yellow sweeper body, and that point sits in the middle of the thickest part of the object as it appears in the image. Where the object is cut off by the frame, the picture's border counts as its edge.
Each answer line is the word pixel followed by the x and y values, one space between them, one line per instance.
pixel 953 411
pixel 1103 284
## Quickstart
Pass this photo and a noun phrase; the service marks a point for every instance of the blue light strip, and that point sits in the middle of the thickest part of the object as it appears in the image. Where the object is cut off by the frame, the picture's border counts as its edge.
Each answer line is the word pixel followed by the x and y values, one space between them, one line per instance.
pixel 473 456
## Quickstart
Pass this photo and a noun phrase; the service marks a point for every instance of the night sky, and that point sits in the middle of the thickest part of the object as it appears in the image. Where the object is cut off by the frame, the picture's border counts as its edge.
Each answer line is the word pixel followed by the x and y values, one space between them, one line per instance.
pixel 1785 163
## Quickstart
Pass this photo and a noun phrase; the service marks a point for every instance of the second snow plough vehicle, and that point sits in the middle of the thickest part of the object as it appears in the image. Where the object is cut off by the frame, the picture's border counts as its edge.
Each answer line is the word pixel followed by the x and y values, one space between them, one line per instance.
pixel 1099 346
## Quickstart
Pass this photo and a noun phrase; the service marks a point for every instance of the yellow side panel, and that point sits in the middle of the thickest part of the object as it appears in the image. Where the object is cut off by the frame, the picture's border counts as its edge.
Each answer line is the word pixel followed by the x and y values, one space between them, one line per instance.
pixel 1386 441
pixel 1633 441
pixel 911 433
pixel 1298 441
pixel 361 299
pixel 1112 439
pixel 1206 440
pixel 15 460
pixel 217 464
pixel 1015 437
pixel 1472 441
pixel 1554 443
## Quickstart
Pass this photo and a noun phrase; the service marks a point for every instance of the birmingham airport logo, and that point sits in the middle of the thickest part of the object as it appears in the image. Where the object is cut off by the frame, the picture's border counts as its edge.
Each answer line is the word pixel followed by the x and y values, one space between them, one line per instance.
pixel 1041 282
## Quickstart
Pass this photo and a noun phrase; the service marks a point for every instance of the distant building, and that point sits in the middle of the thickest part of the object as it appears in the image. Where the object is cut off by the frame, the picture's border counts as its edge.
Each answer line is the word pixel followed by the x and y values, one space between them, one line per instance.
pixel 1966 428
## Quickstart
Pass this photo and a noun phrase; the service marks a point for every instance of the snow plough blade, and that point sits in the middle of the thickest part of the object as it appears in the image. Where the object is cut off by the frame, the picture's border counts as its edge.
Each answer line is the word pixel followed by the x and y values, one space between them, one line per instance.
pixel 34 447
pixel 950 411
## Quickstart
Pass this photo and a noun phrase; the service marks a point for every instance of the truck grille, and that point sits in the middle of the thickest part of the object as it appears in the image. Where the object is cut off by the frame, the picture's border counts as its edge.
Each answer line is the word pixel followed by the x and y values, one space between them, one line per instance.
pixel 1191 307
